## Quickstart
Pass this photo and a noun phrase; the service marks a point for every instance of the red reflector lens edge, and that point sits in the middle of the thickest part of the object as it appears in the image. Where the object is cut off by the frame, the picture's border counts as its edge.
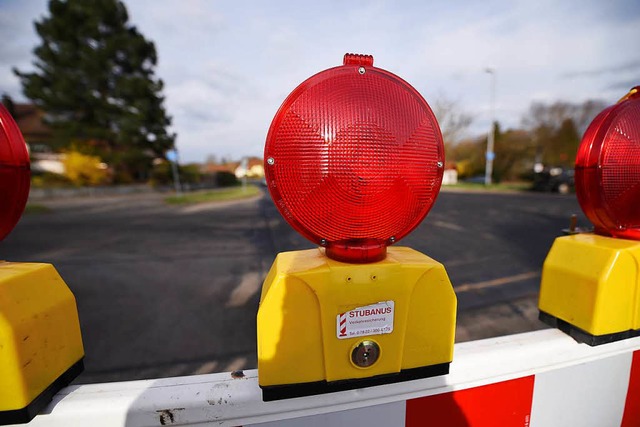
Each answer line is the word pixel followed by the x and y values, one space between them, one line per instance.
pixel 589 174
pixel 345 249
pixel 15 175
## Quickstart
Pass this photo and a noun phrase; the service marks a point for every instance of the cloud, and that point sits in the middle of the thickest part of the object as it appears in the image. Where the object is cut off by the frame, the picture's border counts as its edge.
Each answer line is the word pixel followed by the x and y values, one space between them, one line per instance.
pixel 624 84
pixel 19 39
pixel 228 65
pixel 633 65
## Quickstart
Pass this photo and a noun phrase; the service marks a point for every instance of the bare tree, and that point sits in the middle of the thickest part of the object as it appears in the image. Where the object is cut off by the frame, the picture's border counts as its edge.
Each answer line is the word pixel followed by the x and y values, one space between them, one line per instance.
pixel 452 119
pixel 556 129
pixel 551 116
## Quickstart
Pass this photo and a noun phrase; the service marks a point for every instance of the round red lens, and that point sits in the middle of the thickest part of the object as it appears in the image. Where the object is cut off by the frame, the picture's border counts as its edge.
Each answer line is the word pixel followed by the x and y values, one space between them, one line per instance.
pixel 608 170
pixel 14 173
pixel 354 159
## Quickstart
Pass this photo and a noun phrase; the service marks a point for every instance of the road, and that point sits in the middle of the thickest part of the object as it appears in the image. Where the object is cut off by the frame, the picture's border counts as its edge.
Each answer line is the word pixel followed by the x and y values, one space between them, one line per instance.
pixel 171 290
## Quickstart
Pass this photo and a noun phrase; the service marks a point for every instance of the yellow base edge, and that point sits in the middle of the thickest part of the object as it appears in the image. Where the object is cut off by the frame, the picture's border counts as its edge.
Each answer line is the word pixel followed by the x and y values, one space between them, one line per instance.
pixel 591 283
pixel 304 293
pixel 40 340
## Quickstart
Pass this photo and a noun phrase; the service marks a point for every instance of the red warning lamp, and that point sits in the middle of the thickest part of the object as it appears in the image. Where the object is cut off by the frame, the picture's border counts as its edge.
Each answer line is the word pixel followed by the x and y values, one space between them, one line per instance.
pixel 590 281
pixel 35 303
pixel 354 159
pixel 608 169
pixel 14 173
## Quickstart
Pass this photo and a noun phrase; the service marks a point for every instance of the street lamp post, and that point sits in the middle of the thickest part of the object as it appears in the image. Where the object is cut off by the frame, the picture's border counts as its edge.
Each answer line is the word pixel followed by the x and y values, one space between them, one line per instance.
pixel 172 156
pixel 490 155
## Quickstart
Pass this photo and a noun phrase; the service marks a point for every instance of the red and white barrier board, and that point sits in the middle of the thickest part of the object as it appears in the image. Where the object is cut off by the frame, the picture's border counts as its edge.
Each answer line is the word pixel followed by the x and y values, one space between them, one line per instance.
pixel 603 392
pixel 535 379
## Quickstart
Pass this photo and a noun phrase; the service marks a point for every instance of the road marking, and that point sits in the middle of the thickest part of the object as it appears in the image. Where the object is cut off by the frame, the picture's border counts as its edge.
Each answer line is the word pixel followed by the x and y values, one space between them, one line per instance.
pixel 466 287
pixel 214 205
pixel 458 262
pixel 236 364
pixel 206 368
pixel 177 370
pixel 248 287
pixel 447 225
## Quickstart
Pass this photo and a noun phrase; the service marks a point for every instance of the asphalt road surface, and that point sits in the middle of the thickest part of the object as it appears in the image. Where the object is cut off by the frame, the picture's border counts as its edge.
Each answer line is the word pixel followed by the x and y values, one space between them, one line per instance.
pixel 172 290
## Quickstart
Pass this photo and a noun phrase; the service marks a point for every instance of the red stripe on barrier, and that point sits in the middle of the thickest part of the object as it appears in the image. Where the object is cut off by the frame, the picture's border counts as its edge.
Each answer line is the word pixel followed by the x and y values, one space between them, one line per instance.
pixel 631 417
pixel 502 404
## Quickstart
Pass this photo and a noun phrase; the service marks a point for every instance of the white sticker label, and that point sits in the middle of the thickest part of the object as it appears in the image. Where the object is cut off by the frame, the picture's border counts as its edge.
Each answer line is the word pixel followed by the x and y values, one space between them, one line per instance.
pixel 374 319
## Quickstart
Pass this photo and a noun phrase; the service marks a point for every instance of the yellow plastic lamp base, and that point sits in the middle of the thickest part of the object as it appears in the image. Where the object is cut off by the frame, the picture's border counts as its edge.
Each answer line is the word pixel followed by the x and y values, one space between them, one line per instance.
pixel 590 286
pixel 326 326
pixel 40 343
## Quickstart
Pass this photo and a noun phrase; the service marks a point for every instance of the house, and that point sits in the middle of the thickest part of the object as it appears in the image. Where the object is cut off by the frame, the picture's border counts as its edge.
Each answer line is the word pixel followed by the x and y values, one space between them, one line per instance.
pixel 37 135
pixel 450 174
pixel 250 167
pixel 212 168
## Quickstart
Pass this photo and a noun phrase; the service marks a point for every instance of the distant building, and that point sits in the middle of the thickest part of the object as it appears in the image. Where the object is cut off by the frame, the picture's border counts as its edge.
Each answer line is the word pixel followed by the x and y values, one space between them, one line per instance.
pixel 37 135
pixel 30 121
pixel 213 168
pixel 251 167
pixel 450 175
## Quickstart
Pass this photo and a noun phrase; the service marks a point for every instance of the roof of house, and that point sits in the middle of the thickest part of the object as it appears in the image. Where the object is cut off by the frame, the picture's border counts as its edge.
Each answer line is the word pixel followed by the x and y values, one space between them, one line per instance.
pixel 255 161
pixel 226 167
pixel 29 119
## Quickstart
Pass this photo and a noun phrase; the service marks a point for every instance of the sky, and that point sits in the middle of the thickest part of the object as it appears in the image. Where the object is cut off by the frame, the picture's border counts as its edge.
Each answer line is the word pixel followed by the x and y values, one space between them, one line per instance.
pixel 228 65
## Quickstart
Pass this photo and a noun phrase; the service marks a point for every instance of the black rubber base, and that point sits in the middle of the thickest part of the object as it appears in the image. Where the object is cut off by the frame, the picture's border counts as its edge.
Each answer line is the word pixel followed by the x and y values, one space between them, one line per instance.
pixel 26 414
pixel 288 391
pixel 583 336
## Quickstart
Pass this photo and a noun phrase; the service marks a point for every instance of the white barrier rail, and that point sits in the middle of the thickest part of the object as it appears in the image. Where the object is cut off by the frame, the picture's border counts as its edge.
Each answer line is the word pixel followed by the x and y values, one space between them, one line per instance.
pixel 541 378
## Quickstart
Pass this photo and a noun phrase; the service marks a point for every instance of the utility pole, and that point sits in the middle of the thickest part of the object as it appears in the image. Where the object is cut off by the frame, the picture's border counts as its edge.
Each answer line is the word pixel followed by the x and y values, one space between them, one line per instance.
pixel 244 165
pixel 172 156
pixel 490 155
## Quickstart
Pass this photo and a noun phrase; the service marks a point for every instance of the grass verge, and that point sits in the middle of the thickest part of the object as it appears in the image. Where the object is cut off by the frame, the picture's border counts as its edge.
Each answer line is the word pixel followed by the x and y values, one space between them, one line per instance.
pixel 233 193
pixel 35 209
pixel 501 187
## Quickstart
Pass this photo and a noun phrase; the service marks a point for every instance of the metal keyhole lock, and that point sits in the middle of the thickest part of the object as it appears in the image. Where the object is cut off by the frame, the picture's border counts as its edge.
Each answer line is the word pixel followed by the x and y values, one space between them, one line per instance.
pixel 365 354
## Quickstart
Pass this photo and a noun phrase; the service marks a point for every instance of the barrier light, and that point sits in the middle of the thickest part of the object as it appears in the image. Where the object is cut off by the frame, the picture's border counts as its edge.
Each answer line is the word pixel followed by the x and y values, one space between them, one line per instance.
pixel 590 282
pixel 14 173
pixel 608 169
pixel 40 344
pixel 353 161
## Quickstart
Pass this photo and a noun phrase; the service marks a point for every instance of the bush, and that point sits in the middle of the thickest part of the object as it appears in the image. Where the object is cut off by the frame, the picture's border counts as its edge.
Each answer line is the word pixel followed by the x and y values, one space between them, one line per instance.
pixel 226 179
pixel 190 174
pixel 162 174
pixel 49 180
pixel 82 169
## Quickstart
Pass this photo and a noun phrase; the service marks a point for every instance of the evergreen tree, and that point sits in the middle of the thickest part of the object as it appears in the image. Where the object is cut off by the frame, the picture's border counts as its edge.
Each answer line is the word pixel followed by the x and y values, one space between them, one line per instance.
pixel 94 79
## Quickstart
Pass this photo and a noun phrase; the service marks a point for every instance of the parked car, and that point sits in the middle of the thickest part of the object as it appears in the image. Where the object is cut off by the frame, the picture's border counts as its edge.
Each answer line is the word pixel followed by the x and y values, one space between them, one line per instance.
pixel 557 180
pixel 479 179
